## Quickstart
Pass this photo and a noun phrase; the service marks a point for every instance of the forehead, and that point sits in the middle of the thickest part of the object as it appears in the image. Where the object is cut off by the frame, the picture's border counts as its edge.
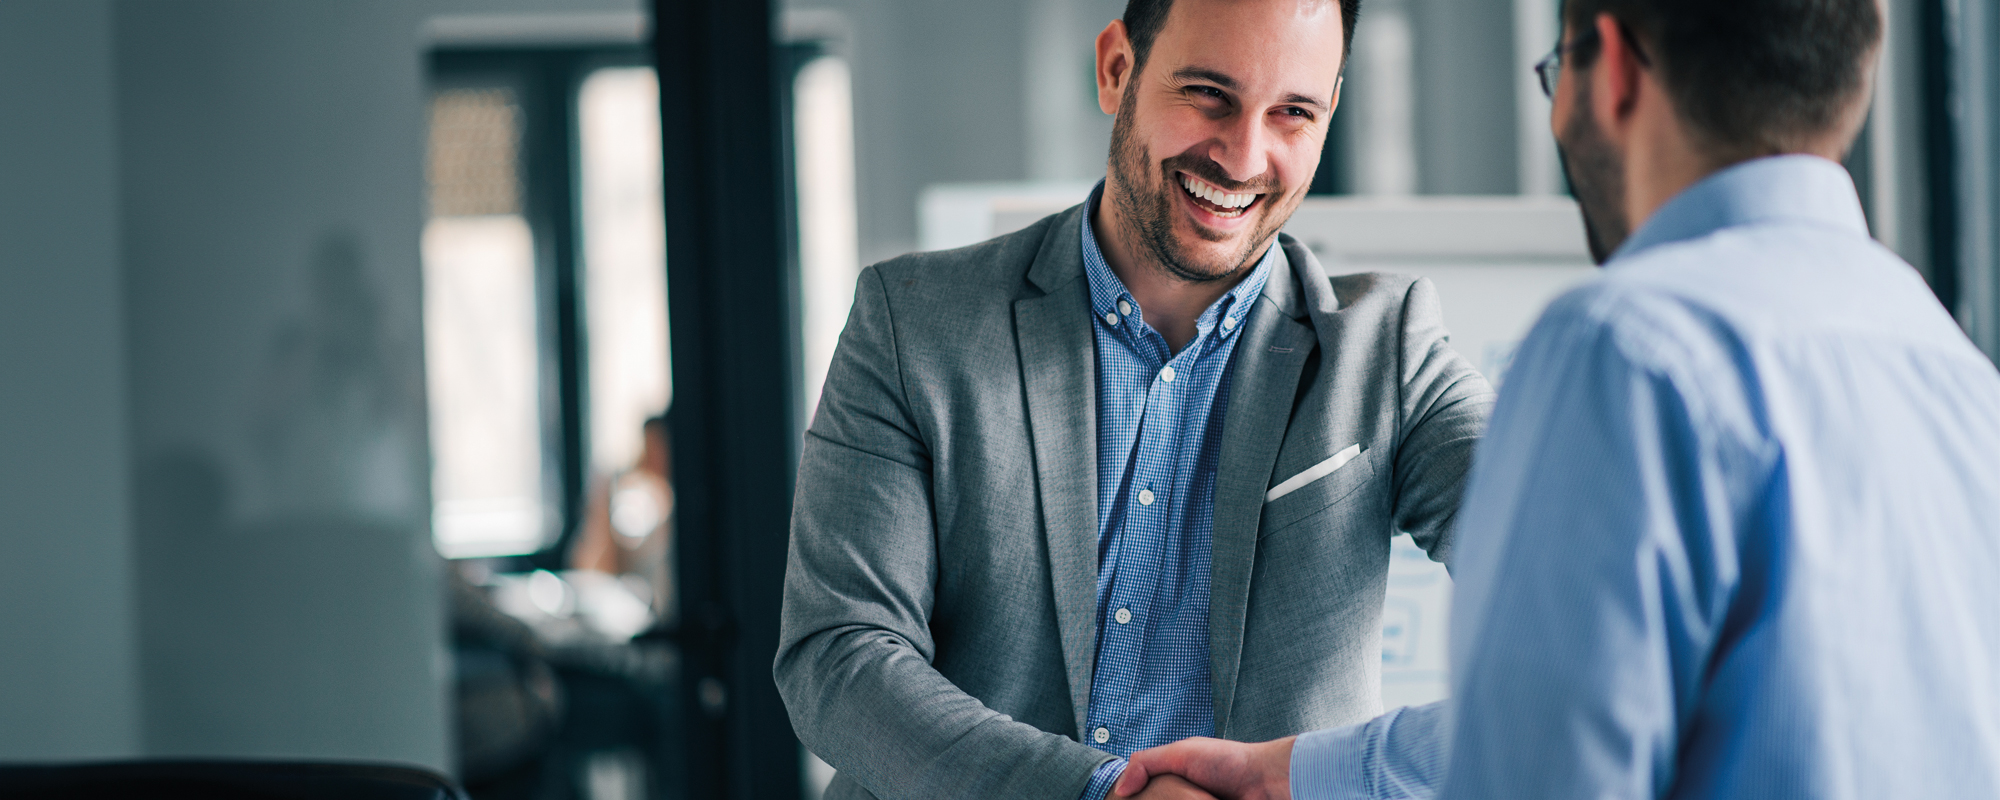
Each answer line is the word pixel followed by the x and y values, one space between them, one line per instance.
pixel 1266 46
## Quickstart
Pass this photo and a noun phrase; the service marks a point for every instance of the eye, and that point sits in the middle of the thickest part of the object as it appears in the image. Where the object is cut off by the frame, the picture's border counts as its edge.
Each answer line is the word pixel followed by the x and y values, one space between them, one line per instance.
pixel 1208 99
pixel 1294 115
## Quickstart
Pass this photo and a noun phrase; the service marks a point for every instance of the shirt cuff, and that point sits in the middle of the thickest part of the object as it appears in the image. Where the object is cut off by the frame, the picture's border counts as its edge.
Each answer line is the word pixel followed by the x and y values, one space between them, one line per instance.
pixel 1103 779
pixel 1397 756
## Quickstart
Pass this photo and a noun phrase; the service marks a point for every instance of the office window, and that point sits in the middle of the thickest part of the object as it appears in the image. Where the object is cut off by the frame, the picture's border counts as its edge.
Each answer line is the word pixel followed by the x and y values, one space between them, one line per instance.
pixel 480 331
pixel 546 308
pixel 624 264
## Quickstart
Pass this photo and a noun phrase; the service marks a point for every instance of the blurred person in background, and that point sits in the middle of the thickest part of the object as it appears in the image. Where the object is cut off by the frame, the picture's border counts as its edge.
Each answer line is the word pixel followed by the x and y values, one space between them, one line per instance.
pixel 1735 531
pixel 1131 474
pixel 628 528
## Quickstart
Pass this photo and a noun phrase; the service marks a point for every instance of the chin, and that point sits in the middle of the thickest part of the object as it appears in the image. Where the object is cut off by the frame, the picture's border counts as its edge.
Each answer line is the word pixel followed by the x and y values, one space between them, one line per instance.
pixel 1197 258
pixel 1222 255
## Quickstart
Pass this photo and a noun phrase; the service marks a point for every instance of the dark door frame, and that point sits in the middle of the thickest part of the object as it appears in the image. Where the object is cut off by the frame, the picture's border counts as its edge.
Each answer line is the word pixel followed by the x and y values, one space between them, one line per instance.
pixel 732 287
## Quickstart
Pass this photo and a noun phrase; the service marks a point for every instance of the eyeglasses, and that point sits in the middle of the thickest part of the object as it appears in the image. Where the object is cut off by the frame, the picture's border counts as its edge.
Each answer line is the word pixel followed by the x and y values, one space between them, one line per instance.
pixel 1549 70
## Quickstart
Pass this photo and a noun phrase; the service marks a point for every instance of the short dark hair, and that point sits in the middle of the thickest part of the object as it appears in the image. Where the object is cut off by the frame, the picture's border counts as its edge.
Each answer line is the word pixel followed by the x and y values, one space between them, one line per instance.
pixel 1145 18
pixel 1753 77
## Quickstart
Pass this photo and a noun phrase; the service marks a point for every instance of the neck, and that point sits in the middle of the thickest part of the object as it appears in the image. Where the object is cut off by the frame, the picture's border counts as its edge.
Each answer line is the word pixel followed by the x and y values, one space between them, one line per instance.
pixel 1663 161
pixel 1665 156
pixel 1171 304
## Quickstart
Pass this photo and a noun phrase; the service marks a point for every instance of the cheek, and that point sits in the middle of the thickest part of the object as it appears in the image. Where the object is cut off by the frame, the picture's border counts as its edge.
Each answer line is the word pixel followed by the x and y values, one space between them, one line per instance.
pixel 1296 164
pixel 1561 108
pixel 1168 130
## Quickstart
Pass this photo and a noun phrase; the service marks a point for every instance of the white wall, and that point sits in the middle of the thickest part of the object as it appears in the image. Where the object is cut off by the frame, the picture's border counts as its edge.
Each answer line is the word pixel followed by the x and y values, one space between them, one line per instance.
pixel 271 204
pixel 68 655
pixel 214 510
pixel 289 595
pixel 938 97
pixel 1466 125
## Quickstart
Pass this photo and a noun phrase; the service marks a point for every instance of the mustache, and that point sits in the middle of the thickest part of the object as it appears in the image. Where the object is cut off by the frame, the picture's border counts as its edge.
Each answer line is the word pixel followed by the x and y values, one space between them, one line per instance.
pixel 1206 169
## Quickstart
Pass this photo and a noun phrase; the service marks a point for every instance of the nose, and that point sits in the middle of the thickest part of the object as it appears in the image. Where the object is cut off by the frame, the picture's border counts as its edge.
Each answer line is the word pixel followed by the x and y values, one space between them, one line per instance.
pixel 1242 147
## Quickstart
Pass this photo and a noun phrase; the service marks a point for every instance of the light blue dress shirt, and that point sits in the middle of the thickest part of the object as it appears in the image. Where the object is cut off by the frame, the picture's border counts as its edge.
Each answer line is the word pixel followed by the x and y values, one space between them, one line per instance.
pixel 1159 437
pixel 1734 532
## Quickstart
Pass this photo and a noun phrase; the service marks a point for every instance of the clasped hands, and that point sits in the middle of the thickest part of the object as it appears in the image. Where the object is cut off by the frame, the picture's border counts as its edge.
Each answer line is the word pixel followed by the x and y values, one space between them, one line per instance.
pixel 1205 769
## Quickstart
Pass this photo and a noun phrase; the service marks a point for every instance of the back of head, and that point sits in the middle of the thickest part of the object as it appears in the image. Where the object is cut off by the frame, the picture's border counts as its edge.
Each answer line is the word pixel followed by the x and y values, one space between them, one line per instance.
pixel 1754 77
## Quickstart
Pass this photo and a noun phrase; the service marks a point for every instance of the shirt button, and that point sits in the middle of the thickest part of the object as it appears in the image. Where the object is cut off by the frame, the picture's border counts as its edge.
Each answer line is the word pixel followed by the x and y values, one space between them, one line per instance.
pixel 1123 616
pixel 1145 495
pixel 1110 319
pixel 1124 308
pixel 1101 735
pixel 1229 323
pixel 1165 374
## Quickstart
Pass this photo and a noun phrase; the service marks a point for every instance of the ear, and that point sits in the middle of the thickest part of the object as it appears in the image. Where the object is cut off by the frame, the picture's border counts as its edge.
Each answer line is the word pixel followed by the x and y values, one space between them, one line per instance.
pixel 1114 66
pixel 1617 80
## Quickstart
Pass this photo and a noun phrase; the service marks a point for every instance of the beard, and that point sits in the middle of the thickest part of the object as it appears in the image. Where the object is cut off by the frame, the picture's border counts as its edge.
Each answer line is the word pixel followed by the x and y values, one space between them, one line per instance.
pixel 1146 202
pixel 1596 175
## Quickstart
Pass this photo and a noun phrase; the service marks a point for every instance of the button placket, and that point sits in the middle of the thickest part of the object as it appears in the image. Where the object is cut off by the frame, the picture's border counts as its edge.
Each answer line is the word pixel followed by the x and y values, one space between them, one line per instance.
pixel 1152 412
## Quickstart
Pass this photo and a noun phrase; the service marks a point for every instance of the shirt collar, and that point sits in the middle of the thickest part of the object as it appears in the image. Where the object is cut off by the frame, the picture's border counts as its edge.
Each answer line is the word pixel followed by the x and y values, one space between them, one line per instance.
pixel 1107 291
pixel 1792 188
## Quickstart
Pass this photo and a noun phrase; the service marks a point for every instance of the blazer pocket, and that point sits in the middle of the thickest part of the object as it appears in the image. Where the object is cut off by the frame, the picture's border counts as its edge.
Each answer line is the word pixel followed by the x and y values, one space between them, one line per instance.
pixel 1316 488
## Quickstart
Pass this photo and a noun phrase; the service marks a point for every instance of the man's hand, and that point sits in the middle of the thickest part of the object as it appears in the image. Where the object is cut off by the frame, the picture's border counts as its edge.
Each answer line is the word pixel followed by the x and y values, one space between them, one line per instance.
pixel 1231 770
pixel 1171 787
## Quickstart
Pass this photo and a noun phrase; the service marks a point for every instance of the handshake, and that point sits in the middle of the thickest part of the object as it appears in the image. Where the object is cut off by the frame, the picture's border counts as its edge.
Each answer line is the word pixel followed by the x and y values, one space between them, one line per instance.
pixel 1203 768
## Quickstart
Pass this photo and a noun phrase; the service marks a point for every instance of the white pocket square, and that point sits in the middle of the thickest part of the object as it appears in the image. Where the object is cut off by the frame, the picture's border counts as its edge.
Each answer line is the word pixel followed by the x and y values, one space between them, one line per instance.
pixel 1313 473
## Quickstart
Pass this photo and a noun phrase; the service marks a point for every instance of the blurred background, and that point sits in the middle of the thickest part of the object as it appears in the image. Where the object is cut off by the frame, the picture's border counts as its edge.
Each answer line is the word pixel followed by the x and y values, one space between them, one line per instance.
pixel 420 381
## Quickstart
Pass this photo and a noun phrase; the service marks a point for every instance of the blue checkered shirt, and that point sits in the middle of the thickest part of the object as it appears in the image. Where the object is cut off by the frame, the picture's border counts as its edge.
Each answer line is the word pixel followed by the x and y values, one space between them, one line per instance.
pixel 1159 435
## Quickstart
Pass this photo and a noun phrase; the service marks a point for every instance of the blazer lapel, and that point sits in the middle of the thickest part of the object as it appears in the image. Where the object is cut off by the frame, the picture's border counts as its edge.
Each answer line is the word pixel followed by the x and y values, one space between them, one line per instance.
pixel 1059 369
pixel 1268 362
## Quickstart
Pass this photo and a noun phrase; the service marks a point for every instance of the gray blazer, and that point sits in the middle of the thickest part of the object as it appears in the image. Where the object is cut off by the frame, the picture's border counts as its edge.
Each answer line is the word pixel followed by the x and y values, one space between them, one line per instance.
pixel 940 600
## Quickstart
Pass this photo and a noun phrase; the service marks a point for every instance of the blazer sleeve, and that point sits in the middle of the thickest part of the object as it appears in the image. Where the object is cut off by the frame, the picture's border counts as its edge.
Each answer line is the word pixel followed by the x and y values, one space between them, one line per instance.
pixel 855 650
pixel 1445 406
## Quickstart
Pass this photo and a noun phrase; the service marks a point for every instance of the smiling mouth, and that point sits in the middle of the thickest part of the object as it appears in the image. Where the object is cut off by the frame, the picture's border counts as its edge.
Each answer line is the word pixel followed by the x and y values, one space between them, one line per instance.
pixel 1212 199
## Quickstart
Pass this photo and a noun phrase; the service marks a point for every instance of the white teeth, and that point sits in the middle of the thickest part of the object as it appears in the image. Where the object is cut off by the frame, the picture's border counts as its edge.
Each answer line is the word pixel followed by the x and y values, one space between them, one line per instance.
pixel 1217 196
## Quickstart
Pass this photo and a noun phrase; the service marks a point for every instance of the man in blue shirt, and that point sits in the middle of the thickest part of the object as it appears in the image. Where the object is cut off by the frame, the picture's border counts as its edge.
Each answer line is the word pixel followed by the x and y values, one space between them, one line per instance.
pixel 1735 529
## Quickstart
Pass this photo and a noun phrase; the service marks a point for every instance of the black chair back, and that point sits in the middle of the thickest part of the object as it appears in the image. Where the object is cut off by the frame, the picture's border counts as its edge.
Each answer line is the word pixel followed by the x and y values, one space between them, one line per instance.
pixel 224 780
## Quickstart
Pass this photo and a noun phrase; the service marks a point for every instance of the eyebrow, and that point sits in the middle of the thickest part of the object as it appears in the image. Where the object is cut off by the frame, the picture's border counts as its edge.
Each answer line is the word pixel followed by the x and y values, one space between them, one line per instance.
pixel 1191 74
pixel 1295 97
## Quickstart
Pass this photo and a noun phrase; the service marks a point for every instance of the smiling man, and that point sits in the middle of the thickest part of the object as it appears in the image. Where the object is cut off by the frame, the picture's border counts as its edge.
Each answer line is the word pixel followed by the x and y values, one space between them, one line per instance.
pixel 1129 475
